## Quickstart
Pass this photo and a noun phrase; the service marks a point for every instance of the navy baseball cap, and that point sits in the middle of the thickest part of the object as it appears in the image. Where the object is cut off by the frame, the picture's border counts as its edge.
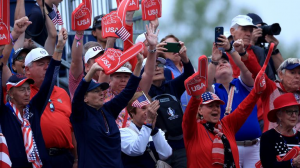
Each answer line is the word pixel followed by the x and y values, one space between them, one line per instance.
pixel 19 50
pixel 93 85
pixel 256 19
pixel 97 21
pixel 290 63
pixel 18 80
pixel 224 56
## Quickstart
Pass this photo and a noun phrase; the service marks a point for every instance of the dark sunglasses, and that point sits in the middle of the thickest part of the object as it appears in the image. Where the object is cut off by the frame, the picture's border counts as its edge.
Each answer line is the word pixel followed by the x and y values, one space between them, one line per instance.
pixel 20 58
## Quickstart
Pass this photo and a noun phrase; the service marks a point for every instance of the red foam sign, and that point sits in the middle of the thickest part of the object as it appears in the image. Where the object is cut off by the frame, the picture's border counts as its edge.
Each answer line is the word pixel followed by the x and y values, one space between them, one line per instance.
pixel 113 59
pixel 133 5
pixel 110 24
pixel 4 22
pixel 81 16
pixel 151 9
pixel 196 84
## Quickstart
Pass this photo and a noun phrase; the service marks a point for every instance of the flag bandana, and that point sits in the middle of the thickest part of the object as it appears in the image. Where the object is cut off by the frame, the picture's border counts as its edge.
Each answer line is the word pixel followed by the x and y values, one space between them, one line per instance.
pixel 5 161
pixel 140 101
pixel 28 138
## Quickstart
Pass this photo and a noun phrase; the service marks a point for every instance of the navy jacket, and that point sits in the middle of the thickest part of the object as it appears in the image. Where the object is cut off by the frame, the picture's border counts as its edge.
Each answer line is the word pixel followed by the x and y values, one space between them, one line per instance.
pixel 98 143
pixel 11 127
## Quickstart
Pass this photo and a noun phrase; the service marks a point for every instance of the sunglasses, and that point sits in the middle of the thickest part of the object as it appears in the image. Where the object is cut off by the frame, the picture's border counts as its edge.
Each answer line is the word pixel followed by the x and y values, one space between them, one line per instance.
pixel 20 58
pixel 52 108
pixel 159 65
pixel 291 112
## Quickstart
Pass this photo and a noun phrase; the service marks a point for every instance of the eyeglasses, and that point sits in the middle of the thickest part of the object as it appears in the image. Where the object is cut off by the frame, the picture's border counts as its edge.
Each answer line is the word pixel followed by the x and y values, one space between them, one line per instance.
pixel 291 112
pixel 20 58
pixel 52 108
pixel 159 65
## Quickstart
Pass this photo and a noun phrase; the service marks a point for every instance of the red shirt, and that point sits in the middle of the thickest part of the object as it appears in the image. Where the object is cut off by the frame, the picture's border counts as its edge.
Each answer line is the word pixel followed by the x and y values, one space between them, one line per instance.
pixel 56 126
pixel 198 141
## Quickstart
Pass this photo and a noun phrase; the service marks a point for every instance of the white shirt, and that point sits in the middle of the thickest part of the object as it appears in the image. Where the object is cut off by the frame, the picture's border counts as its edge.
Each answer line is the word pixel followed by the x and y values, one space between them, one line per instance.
pixel 134 141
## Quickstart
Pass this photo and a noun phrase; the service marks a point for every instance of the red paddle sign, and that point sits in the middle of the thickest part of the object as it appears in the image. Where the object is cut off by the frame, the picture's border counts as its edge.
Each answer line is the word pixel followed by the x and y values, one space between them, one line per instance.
pixel 81 16
pixel 114 20
pixel 133 5
pixel 4 22
pixel 151 9
pixel 110 24
pixel 260 81
pixel 113 59
pixel 196 84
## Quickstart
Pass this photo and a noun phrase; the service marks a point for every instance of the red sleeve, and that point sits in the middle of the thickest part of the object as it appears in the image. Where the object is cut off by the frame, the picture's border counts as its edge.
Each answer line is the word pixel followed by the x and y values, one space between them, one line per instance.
pixel 129 43
pixel 189 122
pixel 238 117
pixel 253 66
pixel 235 68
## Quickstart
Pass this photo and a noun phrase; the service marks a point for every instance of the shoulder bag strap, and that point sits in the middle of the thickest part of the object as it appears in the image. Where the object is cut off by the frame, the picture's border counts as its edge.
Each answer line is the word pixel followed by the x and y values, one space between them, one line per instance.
pixel 228 108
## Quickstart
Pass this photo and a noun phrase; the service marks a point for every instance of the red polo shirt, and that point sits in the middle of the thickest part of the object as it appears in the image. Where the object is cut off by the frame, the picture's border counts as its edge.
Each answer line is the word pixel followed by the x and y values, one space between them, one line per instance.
pixel 56 126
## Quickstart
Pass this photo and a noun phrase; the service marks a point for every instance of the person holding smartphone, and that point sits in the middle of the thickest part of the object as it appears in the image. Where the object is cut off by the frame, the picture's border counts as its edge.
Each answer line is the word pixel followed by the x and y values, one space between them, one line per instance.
pixel 169 48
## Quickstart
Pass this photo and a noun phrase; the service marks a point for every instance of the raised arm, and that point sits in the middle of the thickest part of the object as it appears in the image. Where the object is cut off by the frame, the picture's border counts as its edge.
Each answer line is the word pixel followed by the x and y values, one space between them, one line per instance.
pixel 277 58
pixel 215 57
pixel 246 75
pixel 52 34
pixel 149 67
pixel 19 13
pixel 19 28
pixel 76 68
pixel 40 100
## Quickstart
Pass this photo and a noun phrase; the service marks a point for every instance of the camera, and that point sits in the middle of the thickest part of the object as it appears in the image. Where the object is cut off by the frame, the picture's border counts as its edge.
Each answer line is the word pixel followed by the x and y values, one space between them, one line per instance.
pixel 273 29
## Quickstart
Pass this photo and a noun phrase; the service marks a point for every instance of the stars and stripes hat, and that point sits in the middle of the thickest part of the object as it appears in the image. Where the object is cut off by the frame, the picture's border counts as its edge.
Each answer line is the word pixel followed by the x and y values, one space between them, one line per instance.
pixel 18 80
pixel 208 97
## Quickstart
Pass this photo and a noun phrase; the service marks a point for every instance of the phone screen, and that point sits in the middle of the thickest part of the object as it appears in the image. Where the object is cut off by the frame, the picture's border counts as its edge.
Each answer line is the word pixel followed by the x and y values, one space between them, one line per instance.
pixel 218 31
pixel 173 47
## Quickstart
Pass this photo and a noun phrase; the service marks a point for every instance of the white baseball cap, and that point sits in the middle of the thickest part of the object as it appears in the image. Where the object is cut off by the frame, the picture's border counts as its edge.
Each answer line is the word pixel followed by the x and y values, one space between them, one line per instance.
pixel 124 70
pixel 140 38
pixel 92 52
pixel 36 54
pixel 242 20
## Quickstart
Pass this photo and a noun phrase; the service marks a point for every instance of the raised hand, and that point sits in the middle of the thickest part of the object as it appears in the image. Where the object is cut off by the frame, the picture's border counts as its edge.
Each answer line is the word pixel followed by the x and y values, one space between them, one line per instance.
pixel 239 46
pixel 195 85
pixel 140 58
pixel 21 25
pixel 216 53
pixel 155 22
pixel 182 52
pixel 271 39
pixel 151 36
pixel 96 67
pixel 256 34
pixel 152 112
pixel 225 43
pixel 62 38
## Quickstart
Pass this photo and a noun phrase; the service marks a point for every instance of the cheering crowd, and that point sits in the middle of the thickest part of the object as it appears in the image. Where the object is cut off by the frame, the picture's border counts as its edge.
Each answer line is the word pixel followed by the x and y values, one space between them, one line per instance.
pixel 237 110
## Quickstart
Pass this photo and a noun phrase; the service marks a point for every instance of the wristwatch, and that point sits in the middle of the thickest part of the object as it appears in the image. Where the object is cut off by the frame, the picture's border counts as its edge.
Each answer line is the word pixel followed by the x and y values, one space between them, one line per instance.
pixel 244 53
pixel 152 51
pixel 214 62
pixel 275 52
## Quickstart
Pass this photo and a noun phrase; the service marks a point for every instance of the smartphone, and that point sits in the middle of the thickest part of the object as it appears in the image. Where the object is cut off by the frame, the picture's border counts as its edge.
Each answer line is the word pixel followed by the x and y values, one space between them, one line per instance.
pixel 173 47
pixel 218 31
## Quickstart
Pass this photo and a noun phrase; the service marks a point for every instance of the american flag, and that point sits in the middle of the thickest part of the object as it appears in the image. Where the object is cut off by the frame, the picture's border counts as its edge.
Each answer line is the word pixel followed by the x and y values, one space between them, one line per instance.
pixel 55 17
pixel 141 101
pixel 123 33
pixel 4 154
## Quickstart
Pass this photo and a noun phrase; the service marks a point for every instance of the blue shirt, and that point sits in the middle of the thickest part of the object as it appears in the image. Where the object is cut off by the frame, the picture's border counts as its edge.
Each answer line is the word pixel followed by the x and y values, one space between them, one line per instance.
pixel 250 129
pixel 185 98
pixel 97 134
pixel 11 127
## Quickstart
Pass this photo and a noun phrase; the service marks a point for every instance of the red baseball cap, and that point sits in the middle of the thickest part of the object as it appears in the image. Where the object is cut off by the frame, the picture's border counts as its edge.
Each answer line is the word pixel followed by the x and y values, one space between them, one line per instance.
pixel 18 80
